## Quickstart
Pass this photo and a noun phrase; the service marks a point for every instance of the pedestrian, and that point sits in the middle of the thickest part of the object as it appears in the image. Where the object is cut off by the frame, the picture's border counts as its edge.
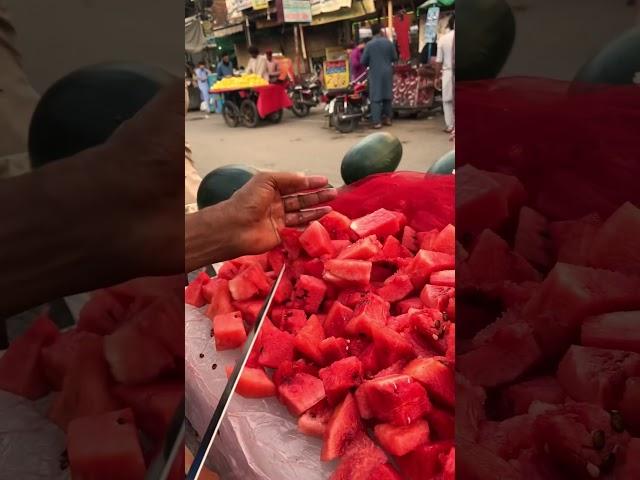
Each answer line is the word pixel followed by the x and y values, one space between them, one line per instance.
pixel 257 63
pixel 273 67
pixel 355 61
pixel 224 68
pixel 202 76
pixel 379 55
pixel 446 62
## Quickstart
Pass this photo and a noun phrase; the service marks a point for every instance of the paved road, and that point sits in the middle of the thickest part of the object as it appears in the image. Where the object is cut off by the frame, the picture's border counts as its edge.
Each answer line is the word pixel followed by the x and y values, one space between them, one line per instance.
pixel 305 144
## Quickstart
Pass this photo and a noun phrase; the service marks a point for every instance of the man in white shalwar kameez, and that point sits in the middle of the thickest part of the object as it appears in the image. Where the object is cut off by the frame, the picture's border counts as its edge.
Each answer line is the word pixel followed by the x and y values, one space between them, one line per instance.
pixel 446 50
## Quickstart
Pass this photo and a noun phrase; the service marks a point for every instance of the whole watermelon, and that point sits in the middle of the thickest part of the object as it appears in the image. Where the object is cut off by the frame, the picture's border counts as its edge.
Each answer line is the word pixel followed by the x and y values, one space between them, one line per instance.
pixel 485 31
pixel 376 153
pixel 219 184
pixel 83 109
pixel 445 165
pixel 617 63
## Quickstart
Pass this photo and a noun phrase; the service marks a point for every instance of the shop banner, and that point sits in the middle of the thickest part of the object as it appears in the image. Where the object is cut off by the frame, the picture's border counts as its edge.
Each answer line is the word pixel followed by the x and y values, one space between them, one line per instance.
pixel 431 26
pixel 336 74
pixel 356 10
pixel 259 4
pixel 296 11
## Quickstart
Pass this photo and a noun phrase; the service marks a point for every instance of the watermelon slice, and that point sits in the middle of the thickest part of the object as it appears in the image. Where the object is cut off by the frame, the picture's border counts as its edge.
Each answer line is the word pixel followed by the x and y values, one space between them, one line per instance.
pixel 217 290
pixel 533 241
pixel 384 471
pixel 102 313
pixel 228 330
pixel 437 297
pixel 340 377
pixel 402 440
pixel 573 238
pixel 340 245
pixel 193 294
pixel 106 446
pixel 284 291
pixel 409 240
pixel 403 306
pixel 372 311
pixel 337 318
pixel 251 281
pixel 21 370
pixel 426 461
pixel 396 399
pixel 347 273
pixel 476 461
pixel 291 242
pixel 614 246
pixel 389 346
pixel 425 263
pixel 436 377
pixel 393 249
pixel 361 460
pixel 276 346
pixel 618 330
pixel 445 241
pixel 337 225
pixel 301 392
pixel 508 437
pixel 288 369
pixel 381 223
pixel 293 320
pixel 396 287
pixel 314 421
pixel 276 259
pixel 400 323
pixel 517 398
pixel 445 278
pixel 313 267
pixel 308 339
pixel 309 293
pixel 426 239
pixel 250 310
pixel 342 428
pixel 316 240
pixel 57 358
pixel 442 424
pixel 363 249
pixel 253 383
pixel 333 349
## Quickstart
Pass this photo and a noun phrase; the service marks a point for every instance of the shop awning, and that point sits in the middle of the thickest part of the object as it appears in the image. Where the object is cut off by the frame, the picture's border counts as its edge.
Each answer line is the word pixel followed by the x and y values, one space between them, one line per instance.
pixel 194 39
pixel 228 30
pixel 357 10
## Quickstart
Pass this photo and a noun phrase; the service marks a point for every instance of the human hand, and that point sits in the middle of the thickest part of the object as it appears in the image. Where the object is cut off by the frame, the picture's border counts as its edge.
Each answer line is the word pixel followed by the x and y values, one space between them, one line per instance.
pixel 271 201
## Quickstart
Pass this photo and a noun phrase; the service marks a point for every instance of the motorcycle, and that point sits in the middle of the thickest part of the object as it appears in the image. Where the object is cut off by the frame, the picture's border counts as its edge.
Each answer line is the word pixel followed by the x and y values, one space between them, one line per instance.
pixel 349 106
pixel 305 95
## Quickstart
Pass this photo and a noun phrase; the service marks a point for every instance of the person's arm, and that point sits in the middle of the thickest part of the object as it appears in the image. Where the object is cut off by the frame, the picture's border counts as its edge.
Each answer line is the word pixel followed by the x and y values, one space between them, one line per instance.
pixel 364 58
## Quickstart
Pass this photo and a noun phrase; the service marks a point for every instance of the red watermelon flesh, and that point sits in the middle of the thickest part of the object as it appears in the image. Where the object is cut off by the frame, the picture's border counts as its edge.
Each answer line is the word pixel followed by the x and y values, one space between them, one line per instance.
pixel 163 321
pixel 193 294
pixel 340 245
pixel 569 294
pixel 573 238
pixel 403 306
pixel 402 440
pixel 426 239
pixel 397 399
pixel 153 404
pixel 336 321
pixel 470 402
pixel 369 360
pixel 517 398
pixel 276 346
pixel 475 461
pixel 316 240
pixel 384 471
pixel 351 297
pixel 251 281
pixel 629 405
pixel 291 242
pixel 228 270
pixel 57 358
pixel 393 249
pixel 445 241
pixel 426 461
pixel 400 323
pixel 393 369
pixel 389 346
pixel 532 240
pixel 276 259
pixel 250 310
pixel 333 349
pixel 228 330
pixel 430 324
pixel 382 223
pixel 508 437
pixel 301 392
pixel 314 267
pixel 425 263
pixel 372 311
pixel 105 446
pixel 437 297
pixel 253 383
pixel 360 395
pixel 436 377
pixel 629 467
pixel 288 369
pixel 314 421
pixel 396 287
pixel 307 341
pixel 102 313
pixel 409 240
pixel 618 330
pixel 293 320
pixel 597 375
pixel 363 249
pixel 342 428
pixel 442 424
pixel 284 290
pixel 220 297
pixel 340 377
pixel 347 273
pixel 445 278
pixel 360 461
pixel 309 293
pixel 21 369
pixel 337 225
pixel 512 189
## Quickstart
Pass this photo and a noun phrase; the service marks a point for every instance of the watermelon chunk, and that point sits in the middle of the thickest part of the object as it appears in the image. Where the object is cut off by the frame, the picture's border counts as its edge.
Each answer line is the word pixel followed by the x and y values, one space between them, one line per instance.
pixel 347 273
pixel 276 259
pixel 276 346
pixel 532 240
pixel 426 461
pixel 389 346
pixel 193 294
pixel 372 311
pixel 250 310
pixel 361 460
pixel 382 223
pixel 314 421
pixel 445 278
pixel 508 437
pixel 291 242
pixel 293 320
pixel 597 375
pixel 402 440
pixel 253 383
pixel 426 239
pixel 57 358
pixel 573 238
pixel 228 330
pixel 436 377
pixel 284 290
pixel 342 428
pixel 445 242
pixel 409 240
pixel 309 293
pixel 396 287
pixel 629 405
pixel 400 323
pixel 316 240
pixel 442 424
pixel 614 246
pixel 21 370
pixel 476 461
pixel 308 339
pixel 517 398
pixel 403 306
pixel 425 263
pixel 363 249
pixel 340 245
pixel 396 399
pixel 102 313
pixel 106 446
pixel 288 369
pixel 333 349
pixel 313 267
pixel 251 281
pixel 301 392
pixel 337 225
pixel 217 290
pixel 337 318
pixel 437 297
pixel 384 471
pixel 340 377
pixel 393 249
pixel 618 330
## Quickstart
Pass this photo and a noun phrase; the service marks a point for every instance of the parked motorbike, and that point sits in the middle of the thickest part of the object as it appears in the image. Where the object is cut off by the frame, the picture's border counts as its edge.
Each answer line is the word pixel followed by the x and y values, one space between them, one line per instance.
pixel 305 95
pixel 349 106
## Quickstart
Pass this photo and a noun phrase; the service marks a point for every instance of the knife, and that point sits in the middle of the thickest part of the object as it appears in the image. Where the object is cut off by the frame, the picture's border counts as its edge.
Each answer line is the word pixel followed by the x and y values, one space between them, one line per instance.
pixel 225 399
pixel 162 464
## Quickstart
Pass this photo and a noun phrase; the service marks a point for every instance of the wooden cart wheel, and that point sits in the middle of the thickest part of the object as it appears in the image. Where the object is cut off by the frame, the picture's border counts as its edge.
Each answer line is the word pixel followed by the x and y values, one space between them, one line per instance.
pixel 231 114
pixel 249 113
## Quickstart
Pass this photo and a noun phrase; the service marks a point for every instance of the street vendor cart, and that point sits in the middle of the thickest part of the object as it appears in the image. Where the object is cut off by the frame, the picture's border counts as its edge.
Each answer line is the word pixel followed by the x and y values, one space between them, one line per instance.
pixel 414 89
pixel 249 105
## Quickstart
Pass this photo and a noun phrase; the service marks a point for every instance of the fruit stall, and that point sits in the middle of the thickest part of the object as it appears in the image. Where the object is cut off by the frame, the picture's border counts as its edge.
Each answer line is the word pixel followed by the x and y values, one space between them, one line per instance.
pixel 361 333
pixel 414 88
pixel 248 99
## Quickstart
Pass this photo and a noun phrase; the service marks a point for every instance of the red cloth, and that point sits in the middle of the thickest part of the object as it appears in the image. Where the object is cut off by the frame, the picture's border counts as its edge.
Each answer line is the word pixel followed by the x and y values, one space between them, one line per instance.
pixel 402 24
pixel 272 98
pixel 426 200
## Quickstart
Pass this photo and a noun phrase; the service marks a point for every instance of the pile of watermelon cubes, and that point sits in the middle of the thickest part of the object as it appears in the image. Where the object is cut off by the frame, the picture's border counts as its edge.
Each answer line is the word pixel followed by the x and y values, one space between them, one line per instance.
pixel 115 380
pixel 549 339
pixel 359 343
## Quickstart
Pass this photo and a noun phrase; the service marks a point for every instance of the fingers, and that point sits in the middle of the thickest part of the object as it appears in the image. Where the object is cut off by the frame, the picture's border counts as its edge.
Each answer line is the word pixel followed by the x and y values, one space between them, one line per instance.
pixel 288 183
pixel 303 217
pixel 307 200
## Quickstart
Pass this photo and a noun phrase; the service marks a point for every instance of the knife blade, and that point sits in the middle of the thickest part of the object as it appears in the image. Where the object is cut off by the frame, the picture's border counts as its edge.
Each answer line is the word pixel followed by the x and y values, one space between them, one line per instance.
pixel 161 465
pixel 227 394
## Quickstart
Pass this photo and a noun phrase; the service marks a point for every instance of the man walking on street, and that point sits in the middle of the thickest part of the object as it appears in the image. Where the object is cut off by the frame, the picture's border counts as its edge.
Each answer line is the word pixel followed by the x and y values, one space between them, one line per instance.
pixel 202 76
pixel 379 55
pixel 257 63
pixel 446 60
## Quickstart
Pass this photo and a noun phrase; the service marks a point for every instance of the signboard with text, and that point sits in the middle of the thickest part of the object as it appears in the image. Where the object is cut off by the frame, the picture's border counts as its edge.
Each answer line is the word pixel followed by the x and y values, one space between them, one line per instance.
pixel 336 74
pixel 296 11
